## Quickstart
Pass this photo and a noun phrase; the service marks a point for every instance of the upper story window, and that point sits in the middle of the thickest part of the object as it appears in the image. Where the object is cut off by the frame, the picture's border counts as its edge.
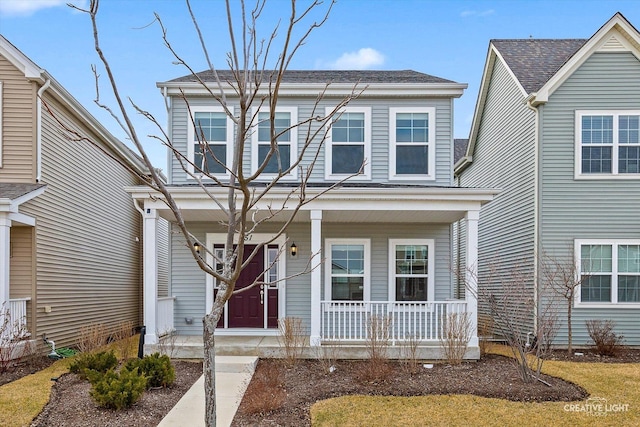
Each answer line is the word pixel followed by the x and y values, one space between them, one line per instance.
pixel 411 269
pixel 412 143
pixel 609 272
pixel 348 271
pixel 210 143
pixel 286 135
pixel 348 143
pixel 608 144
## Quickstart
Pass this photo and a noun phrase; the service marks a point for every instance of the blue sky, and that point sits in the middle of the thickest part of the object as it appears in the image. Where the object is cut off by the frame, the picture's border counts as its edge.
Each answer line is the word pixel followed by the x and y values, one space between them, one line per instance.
pixel 448 39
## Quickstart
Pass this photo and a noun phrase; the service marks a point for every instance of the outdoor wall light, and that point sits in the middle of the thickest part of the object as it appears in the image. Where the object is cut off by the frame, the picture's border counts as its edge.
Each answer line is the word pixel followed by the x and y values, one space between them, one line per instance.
pixel 294 249
pixel 197 247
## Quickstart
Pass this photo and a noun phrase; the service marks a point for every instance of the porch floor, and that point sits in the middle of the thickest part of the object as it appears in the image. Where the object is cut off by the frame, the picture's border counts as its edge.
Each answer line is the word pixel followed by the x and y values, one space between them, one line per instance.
pixel 192 347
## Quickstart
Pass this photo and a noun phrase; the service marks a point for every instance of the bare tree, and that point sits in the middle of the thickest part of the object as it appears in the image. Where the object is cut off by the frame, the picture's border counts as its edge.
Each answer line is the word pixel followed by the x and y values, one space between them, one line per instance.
pixel 563 277
pixel 257 67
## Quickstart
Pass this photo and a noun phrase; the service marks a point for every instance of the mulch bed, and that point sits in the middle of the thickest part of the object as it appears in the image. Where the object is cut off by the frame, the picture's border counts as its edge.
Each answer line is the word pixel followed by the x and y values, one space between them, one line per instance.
pixel 25 367
pixel 624 355
pixel 308 381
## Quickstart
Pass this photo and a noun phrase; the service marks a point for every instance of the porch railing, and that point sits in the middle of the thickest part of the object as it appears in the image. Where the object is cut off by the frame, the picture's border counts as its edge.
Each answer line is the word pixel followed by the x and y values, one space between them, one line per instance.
pixel 15 326
pixel 165 315
pixel 421 321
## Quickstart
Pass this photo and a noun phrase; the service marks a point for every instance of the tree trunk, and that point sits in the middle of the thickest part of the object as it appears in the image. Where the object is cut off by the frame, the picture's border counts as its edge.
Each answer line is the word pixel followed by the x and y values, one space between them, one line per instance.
pixel 209 367
pixel 569 329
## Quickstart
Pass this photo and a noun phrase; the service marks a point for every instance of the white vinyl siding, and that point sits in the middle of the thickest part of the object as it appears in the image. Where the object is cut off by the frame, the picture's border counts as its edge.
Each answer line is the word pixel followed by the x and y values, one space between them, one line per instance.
pixel 348 144
pixel 210 141
pixel 607 144
pixel 412 143
pixel 286 133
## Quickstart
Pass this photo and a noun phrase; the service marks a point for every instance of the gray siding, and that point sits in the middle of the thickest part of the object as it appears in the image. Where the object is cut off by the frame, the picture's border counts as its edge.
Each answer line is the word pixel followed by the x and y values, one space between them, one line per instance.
pixel 87 232
pixel 380 135
pixel 504 159
pixel 188 281
pixel 588 209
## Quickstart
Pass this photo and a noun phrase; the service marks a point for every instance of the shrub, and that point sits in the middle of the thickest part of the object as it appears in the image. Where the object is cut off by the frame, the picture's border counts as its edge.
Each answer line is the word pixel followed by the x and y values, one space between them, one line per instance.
pixel 456 333
pixel 99 362
pixel 118 390
pixel 605 341
pixel 158 369
pixel 265 392
pixel 291 337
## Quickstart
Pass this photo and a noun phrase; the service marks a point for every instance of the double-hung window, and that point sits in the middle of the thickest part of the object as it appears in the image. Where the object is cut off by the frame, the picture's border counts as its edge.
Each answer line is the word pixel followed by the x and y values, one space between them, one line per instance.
pixel 608 144
pixel 347 276
pixel 412 143
pixel 285 133
pixel 210 145
pixel 411 269
pixel 609 271
pixel 348 144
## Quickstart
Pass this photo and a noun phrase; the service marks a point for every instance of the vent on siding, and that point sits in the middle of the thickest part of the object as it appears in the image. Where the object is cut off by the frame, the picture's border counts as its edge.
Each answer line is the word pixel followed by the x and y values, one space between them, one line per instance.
pixel 612 45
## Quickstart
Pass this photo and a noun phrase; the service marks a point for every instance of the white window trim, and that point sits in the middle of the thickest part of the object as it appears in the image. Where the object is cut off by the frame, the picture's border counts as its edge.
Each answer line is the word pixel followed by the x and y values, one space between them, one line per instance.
pixel 430 243
pixel 191 136
pixel 0 124
pixel 366 176
pixel 366 292
pixel 578 145
pixel 293 111
pixel 213 239
pixel 431 145
pixel 614 274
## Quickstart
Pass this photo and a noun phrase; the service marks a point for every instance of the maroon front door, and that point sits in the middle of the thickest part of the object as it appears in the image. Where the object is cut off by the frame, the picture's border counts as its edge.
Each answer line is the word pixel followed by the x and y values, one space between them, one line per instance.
pixel 246 309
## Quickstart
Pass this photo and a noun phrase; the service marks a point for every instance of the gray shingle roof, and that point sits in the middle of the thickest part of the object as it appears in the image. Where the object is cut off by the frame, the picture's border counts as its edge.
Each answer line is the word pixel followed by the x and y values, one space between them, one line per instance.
pixel 12 191
pixel 535 61
pixel 459 149
pixel 333 76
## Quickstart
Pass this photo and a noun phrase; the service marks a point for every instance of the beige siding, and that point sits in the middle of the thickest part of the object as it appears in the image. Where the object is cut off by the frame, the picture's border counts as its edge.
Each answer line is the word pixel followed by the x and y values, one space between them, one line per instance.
pixel 88 237
pixel 21 269
pixel 18 125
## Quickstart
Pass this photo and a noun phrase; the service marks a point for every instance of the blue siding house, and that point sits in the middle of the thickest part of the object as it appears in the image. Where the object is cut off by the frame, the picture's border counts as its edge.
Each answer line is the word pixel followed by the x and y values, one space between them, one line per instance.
pixel 557 130
pixel 381 242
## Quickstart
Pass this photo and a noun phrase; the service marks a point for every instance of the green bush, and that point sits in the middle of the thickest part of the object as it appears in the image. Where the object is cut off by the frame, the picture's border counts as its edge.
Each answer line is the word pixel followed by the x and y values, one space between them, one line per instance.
pixel 100 362
pixel 158 369
pixel 118 390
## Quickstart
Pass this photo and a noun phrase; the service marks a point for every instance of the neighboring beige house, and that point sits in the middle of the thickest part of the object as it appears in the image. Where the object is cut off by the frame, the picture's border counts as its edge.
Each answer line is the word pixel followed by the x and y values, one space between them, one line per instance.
pixel 70 236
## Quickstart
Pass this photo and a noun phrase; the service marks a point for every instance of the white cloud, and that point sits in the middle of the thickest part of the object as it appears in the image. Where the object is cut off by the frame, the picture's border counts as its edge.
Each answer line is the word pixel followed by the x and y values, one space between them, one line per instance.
pixel 29 7
pixel 467 13
pixel 361 60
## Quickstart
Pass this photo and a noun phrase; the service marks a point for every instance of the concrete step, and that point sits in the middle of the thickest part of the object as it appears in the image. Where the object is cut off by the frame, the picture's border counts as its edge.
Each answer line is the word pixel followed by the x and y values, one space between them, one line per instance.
pixel 236 364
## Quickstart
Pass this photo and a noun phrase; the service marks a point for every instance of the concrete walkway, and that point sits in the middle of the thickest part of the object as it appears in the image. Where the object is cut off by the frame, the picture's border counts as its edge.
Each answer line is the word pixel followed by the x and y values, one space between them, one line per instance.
pixel 233 374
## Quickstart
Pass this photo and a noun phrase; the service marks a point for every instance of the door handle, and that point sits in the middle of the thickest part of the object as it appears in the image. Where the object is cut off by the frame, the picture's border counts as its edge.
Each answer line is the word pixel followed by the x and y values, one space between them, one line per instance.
pixel 262 294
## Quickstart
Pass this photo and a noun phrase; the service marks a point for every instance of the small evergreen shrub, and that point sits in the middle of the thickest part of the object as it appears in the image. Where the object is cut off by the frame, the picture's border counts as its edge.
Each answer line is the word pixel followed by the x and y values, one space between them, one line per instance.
pixel 158 369
pixel 100 362
pixel 118 390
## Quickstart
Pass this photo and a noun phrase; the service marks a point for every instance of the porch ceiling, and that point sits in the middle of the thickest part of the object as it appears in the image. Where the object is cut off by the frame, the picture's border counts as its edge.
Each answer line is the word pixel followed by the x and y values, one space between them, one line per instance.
pixel 342 216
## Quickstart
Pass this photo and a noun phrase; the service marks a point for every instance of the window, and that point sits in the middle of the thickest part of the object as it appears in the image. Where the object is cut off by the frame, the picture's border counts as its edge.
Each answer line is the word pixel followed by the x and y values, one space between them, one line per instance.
pixel 348 143
pixel 412 143
pixel 609 271
pixel 411 269
pixel 210 140
pixel 347 270
pixel 608 143
pixel 286 136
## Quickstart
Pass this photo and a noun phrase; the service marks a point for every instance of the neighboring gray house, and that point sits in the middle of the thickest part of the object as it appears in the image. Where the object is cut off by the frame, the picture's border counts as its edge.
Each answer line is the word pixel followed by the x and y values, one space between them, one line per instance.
pixel 556 129
pixel 70 249
pixel 384 238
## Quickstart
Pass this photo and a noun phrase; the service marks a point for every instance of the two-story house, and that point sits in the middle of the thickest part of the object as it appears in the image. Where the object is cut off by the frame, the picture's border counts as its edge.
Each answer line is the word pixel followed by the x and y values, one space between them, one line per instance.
pixel 70 236
pixel 383 238
pixel 557 130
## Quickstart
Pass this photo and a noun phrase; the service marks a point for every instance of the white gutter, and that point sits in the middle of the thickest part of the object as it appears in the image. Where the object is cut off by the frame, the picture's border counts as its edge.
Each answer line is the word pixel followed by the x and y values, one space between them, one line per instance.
pixel 44 87
pixel 536 192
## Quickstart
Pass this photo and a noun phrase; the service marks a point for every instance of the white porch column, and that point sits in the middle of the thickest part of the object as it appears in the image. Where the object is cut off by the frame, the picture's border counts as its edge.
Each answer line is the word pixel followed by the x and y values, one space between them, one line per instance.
pixel 316 276
pixel 5 258
pixel 150 268
pixel 471 273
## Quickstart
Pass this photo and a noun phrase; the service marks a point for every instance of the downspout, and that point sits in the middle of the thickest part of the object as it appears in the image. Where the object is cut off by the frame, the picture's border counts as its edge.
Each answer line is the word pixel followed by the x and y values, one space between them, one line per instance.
pixel 44 87
pixel 536 192
pixel 167 106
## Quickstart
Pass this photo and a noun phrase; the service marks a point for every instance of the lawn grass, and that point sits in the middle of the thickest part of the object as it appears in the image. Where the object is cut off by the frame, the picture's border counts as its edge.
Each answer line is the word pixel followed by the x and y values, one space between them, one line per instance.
pixel 618 383
pixel 22 400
